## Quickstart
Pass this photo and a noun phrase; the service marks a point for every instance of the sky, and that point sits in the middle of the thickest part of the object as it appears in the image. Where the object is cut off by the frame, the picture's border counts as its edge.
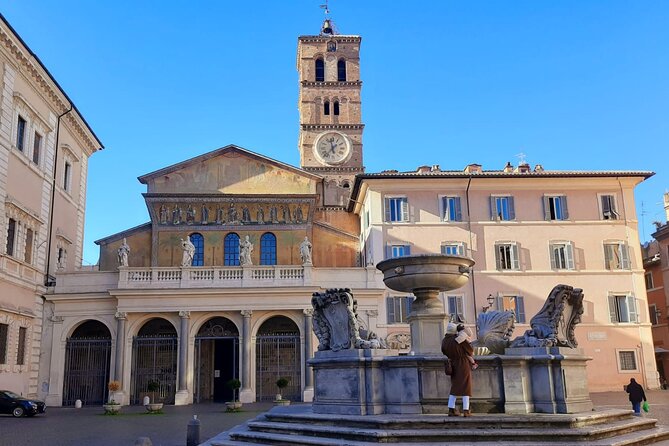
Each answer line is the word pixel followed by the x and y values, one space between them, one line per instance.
pixel 574 85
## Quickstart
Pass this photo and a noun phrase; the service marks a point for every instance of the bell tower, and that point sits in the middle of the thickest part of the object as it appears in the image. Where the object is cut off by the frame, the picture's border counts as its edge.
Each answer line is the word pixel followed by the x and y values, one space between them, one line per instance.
pixel 330 140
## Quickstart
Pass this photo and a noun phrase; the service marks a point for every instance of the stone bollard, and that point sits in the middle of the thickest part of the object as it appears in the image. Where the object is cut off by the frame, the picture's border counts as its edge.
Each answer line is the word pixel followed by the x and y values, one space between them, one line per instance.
pixel 193 432
pixel 143 441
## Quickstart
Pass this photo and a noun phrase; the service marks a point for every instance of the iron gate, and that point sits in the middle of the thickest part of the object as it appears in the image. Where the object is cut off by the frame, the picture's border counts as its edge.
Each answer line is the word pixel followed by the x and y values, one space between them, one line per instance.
pixel 154 359
pixel 87 363
pixel 278 357
pixel 206 362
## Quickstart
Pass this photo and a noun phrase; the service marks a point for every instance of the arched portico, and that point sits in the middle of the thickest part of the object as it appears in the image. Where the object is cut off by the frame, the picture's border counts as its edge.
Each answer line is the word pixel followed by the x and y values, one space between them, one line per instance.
pixel 216 360
pixel 278 354
pixel 154 359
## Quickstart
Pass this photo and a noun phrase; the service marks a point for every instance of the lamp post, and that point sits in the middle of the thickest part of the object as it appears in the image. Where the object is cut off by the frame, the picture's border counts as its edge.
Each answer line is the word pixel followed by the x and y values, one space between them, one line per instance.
pixel 491 300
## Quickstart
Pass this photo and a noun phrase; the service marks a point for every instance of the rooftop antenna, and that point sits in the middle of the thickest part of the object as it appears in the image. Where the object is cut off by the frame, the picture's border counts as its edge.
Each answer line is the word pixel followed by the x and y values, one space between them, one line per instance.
pixel 325 7
pixel 521 158
pixel 327 27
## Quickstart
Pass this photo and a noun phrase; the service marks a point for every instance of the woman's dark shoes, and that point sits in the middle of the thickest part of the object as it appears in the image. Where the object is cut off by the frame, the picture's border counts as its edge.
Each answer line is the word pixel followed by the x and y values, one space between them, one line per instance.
pixel 453 412
pixel 468 413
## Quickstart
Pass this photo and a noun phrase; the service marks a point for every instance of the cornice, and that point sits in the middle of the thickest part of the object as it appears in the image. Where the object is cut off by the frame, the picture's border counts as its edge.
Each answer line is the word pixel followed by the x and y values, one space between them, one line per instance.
pixel 346 169
pixel 332 126
pixel 323 39
pixel 332 84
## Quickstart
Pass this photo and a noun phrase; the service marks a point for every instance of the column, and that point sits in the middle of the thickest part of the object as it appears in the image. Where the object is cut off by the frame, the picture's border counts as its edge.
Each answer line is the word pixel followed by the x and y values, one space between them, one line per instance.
pixel 181 397
pixel 121 317
pixel 308 394
pixel 247 394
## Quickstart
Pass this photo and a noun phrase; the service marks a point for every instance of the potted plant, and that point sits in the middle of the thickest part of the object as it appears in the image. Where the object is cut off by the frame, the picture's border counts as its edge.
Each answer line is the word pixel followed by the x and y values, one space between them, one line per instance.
pixel 281 383
pixel 235 404
pixel 112 407
pixel 152 387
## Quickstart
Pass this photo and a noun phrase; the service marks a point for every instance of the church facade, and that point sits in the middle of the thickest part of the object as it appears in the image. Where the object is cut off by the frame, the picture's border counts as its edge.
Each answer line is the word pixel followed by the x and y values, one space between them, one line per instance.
pixel 217 285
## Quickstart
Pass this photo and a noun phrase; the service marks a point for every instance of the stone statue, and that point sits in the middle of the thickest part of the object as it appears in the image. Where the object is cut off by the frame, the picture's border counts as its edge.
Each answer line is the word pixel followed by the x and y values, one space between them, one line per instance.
pixel 260 216
pixel 245 250
pixel 246 215
pixel 232 214
pixel 204 214
pixel 190 215
pixel 336 323
pixel 272 215
pixel 176 215
pixel 298 214
pixel 189 252
pixel 305 251
pixel 163 214
pixel 219 216
pixel 495 330
pixel 123 252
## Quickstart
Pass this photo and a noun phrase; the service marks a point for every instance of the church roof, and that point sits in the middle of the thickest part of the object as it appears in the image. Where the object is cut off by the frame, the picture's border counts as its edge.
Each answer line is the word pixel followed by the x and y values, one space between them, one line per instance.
pixel 223 150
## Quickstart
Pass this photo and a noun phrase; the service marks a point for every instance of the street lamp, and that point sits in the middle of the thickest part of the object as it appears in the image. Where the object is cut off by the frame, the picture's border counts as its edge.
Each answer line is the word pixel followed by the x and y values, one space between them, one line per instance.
pixel 491 300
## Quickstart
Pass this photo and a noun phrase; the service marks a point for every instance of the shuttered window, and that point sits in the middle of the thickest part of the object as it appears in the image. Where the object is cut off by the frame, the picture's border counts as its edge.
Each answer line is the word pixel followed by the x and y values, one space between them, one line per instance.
pixel 455 307
pixel 512 303
pixel 397 209
pixel 398 309
pixel 616 256
pixel 622 308
pixel 453 248
pixel 562 255
pixel 555 208
pixel 609 211
pixel 451 209
pixel 394 251
pixel 506 256
pixel 502 208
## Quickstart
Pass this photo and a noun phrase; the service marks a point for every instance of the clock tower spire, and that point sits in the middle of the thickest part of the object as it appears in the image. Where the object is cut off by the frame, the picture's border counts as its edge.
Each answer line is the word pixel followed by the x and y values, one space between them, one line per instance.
pixel 330 140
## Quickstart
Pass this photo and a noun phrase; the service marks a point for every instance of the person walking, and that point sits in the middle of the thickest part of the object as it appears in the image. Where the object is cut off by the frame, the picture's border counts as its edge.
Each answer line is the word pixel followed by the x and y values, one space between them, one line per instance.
pixel 458 349
pixel 636 395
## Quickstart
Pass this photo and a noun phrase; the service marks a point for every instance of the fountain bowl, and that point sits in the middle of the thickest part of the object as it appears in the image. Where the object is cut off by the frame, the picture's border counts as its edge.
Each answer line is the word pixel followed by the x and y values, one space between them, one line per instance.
pixel 427 271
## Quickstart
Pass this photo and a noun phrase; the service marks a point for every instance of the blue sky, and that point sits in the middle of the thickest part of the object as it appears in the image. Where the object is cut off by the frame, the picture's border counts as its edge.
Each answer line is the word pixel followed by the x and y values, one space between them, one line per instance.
pixel 578 85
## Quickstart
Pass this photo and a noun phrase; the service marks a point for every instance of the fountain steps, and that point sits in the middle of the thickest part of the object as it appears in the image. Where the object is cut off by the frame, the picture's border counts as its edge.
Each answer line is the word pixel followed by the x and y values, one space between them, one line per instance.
pixel 303 428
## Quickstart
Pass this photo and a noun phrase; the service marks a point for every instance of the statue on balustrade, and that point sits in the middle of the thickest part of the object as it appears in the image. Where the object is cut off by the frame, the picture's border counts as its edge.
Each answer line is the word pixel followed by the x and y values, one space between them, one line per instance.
pixel 245 250
pixel 305 251
pixel 188 252
pixel 123 252
pixel 204 215
pixel 176 215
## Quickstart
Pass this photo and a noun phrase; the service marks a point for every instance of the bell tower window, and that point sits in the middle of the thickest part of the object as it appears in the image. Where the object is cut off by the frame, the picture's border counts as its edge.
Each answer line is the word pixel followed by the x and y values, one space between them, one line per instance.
pixel 320 70
pixel 341 70
pixel 335 108
pixel 326 108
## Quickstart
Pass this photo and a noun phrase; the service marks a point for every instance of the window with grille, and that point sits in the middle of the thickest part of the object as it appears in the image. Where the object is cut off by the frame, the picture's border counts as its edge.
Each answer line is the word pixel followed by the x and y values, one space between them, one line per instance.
pixel 451 209
pixel 453 248
pixel 21 351
pixel 29 246
pixel 608 203
pixel 37 148
pixel 506 257
pixel 20 133
pixel 231 250
pixel 398 309
pixel 555 208
pixel 198 241
pixel 320 70
pixel 616 256
pixel 622 308
pixel 512 303
pixel 627 359
pixel 397 209
pixel 4 334
pixel 268 249
pixel 11 236
pixel 562 255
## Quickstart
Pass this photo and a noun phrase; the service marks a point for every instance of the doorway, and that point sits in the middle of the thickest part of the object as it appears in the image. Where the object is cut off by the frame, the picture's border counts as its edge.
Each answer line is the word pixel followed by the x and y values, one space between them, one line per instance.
pixel 216 360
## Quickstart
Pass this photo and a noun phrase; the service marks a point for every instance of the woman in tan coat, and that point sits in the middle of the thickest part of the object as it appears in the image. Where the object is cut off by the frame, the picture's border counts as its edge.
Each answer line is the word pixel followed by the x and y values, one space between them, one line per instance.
pixel 458 349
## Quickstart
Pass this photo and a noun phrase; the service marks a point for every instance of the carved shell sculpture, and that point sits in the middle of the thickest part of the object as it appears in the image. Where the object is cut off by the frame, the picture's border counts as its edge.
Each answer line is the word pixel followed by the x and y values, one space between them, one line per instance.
pixel 495 329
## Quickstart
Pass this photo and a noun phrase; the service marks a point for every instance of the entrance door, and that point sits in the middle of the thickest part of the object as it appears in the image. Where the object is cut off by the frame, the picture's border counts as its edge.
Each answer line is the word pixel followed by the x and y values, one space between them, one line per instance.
pixel 216 360
pixel 278 356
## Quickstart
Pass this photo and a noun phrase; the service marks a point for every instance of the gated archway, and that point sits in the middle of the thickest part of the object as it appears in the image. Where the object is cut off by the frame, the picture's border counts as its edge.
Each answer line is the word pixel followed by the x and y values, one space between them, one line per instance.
pixel 216 360
pixel 87 356
pixel 278 355
pixel 154 359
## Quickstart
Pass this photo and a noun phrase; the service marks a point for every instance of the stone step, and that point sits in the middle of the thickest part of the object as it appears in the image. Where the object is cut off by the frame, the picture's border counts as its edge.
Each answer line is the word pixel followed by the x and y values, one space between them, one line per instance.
pixel 450 433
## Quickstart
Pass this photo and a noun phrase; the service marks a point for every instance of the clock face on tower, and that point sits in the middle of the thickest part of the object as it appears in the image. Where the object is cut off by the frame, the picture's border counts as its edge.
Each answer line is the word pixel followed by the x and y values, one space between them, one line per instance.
pixel 332 148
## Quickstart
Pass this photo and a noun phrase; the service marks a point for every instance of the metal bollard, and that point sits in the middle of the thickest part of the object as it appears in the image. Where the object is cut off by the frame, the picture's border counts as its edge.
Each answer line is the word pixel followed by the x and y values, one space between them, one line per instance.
pixel 193 432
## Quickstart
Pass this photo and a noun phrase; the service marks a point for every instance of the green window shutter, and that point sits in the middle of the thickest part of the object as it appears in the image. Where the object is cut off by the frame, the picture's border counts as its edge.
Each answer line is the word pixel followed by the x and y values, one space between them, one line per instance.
pixel 553 251
pixel 390 309
pixel 498 256
pixel 547 208
pixel 613 313
pixel 493 209
pixel 569 252
pixel 512 209
pixel 405 209
pixel 565 209
pixel 458 209
pixel 387 205
pixel 520 309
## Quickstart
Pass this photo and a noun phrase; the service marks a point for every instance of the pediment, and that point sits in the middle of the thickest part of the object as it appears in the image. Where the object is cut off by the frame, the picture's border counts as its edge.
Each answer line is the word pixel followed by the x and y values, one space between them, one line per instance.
pixel 231 170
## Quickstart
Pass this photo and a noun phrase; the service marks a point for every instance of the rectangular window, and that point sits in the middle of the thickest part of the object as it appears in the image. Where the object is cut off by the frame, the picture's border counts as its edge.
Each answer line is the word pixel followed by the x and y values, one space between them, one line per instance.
pixel 562 255
pixel 616 256
pixel 397 209
pixel 502 208
pixel 654 314
pixel 20 133
pixel 393 251
pixel 4 330
pixel 11 236
pixel 21 351
pixel 66 176
pixel 398 309
pixel 506 256
pixel 622 308
pixel 512 303
pixel 29 246
pixel 37 148
pixel 455 307
pixel 648 277
pixel 451 209
pixel 608 203
pixel 453 249
pixel 555 208
pixel 627 360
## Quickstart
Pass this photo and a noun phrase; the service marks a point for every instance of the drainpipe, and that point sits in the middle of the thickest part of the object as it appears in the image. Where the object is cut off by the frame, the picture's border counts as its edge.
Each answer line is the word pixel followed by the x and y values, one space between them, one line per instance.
pixel 469 228
pixel 49 279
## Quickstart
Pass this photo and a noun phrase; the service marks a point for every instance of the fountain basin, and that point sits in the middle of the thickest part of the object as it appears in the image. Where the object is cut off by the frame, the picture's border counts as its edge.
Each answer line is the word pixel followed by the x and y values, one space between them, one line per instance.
pixel 429 271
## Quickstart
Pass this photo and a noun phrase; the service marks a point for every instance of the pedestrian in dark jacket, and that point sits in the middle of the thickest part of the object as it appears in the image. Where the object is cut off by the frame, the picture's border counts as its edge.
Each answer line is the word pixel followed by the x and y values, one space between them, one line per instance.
pixel 459 350
pixel 636 395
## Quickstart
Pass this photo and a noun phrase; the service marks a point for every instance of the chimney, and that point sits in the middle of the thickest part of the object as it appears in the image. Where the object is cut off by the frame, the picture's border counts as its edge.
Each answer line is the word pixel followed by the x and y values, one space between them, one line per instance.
pixel 435 168
pixel 473 168
pixel 508 168
pixel 538 168
pixel 423 169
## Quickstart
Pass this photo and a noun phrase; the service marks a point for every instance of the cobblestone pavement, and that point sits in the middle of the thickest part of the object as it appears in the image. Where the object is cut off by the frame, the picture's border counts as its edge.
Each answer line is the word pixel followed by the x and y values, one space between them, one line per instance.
pixel 89 427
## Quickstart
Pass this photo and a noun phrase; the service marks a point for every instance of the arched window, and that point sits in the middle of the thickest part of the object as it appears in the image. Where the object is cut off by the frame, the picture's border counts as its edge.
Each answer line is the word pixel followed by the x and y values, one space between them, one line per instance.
pixel 341 70
pixel 198 241
pixel 268 249
pixel 320 70
pixel 335 108
pixel 231 250
pixel 326 108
